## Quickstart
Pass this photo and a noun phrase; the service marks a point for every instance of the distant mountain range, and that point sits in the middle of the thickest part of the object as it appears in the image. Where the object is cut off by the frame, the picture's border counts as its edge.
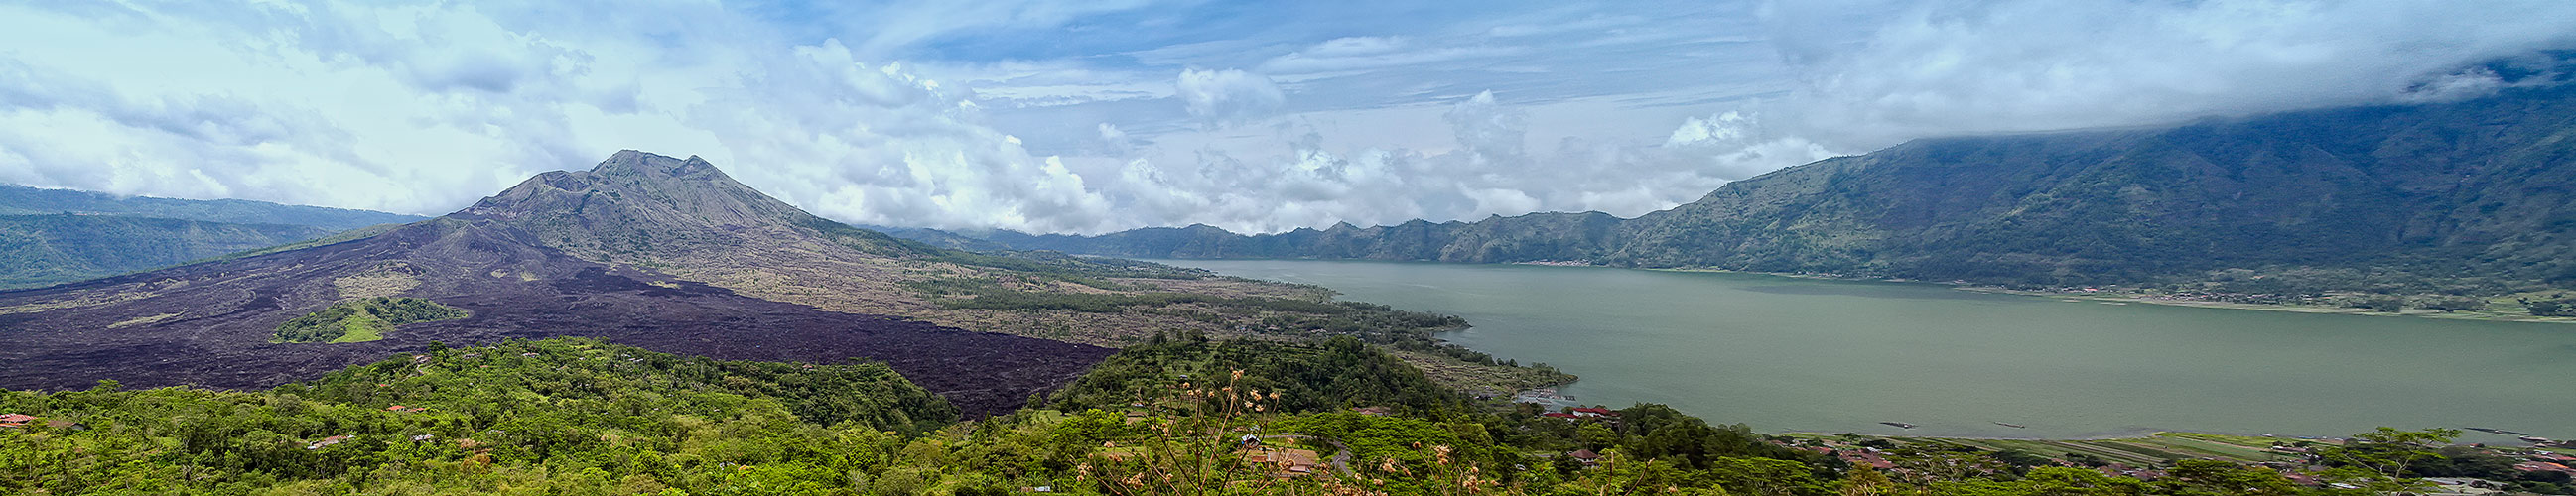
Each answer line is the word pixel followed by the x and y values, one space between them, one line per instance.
pixel 2469 196
pixel 22 200
pixel 51 236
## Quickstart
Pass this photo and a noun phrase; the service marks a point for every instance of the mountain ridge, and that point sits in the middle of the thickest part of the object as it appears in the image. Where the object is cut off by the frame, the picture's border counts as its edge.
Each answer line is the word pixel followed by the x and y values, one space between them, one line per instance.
pixel 50 236
pixel 2458 197
pixel 49 249
pixel 27 200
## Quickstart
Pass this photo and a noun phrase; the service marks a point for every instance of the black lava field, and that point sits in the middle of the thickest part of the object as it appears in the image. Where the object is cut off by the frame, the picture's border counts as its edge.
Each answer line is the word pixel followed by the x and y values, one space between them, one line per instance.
pixel 209 324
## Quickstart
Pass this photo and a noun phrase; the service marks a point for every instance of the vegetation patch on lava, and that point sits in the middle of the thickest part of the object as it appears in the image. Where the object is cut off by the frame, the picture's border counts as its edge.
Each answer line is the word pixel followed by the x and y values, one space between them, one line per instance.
pixel 361 320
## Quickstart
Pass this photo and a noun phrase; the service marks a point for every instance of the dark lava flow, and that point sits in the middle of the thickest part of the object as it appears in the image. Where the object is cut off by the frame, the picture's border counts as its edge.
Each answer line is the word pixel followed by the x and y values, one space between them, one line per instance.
pixel 226 312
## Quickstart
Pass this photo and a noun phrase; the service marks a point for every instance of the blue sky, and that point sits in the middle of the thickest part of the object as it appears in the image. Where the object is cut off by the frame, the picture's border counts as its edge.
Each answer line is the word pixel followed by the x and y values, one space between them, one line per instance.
pixel 1094 116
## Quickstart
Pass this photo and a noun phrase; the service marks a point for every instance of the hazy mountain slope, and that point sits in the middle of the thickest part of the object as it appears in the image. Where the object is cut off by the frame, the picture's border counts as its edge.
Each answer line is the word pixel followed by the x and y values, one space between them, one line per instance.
pixel 44 249
pixel 52 235
pixel 1539 236
pixel 22 200
pixel 2462 196
pixel 2468 189
pixel 938 238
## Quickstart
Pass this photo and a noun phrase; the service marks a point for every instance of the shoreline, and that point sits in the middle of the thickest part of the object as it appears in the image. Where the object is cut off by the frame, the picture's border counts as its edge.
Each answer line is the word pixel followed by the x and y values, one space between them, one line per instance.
pixel 2108 297
pixel 2122 298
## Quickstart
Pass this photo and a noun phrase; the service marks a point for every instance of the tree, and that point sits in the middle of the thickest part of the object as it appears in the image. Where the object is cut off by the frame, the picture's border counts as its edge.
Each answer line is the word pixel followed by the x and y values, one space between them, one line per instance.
pixel 2549 307
pixel 2453 303
pixel 1864 481
pixel 2216 478
pixel 2387 454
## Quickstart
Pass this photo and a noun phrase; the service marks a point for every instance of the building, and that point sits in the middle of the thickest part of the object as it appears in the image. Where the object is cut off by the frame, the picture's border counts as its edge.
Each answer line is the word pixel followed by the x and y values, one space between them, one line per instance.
pixel 328 441
pixel 2543 467
pixel 1282 462
pixel 1586 456
pixel 15 420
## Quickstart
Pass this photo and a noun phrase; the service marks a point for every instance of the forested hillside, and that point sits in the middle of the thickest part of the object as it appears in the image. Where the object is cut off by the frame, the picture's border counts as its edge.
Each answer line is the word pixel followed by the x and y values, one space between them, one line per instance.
pixel 54 235
pixel 36 250
pixel 2468 197
pixel 22 200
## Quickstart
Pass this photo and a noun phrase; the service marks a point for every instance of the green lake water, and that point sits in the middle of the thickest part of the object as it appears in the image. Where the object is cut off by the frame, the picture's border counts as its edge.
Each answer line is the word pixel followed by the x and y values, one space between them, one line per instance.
pixel 1787 354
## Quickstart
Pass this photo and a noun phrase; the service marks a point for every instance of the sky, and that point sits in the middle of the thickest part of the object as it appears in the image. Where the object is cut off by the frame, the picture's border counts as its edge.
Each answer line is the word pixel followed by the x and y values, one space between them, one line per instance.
pixel 1103 115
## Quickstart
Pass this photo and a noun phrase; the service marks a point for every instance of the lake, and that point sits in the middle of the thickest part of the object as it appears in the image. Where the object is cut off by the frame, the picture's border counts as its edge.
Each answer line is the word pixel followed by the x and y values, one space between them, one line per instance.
pixel 1789 354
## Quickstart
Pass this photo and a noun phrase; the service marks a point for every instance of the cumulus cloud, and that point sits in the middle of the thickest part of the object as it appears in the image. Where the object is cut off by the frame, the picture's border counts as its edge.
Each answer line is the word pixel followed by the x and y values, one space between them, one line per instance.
pixel 877 144
pixel 425 108
pixel 1488 170
pixel 1218 98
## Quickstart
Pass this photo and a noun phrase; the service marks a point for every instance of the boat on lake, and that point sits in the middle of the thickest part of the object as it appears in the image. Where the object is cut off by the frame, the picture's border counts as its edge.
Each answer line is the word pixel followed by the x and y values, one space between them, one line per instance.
pixel 2015 426
pixel 1899 424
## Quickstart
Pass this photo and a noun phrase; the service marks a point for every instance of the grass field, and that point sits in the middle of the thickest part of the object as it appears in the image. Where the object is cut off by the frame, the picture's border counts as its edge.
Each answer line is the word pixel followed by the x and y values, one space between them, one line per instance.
pixel 361 328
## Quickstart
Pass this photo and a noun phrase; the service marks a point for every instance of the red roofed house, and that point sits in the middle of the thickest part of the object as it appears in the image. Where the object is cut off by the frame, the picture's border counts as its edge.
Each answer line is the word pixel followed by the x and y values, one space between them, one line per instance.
pixel 15 420
pixel 2543 467
pixel 1585 456
pixel 327 442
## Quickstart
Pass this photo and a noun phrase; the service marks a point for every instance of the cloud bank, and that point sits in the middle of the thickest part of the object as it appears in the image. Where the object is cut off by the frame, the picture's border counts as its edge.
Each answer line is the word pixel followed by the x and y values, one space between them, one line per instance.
pixel 1957 67
pixel 1090 117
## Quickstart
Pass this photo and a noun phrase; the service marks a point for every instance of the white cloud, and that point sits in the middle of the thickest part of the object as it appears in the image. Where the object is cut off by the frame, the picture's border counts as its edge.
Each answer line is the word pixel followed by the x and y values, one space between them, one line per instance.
pixel 422 108
pixel 1228 96
pixel 1488 169
pixel 876 144
pixel 1958 67
pixel 1357 53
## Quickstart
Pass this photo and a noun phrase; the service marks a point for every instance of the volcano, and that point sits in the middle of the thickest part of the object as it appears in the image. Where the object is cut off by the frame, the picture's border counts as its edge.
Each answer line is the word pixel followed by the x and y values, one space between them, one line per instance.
pixel 644 250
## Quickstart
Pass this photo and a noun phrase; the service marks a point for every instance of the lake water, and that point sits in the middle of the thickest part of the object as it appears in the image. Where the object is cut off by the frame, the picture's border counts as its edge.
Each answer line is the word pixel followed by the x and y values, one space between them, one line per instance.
pixel 1787 354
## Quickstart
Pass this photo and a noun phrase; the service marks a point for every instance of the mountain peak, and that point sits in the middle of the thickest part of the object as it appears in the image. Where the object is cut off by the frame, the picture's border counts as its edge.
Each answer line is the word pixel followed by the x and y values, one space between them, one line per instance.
pixel 648 164
pixel 634 203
